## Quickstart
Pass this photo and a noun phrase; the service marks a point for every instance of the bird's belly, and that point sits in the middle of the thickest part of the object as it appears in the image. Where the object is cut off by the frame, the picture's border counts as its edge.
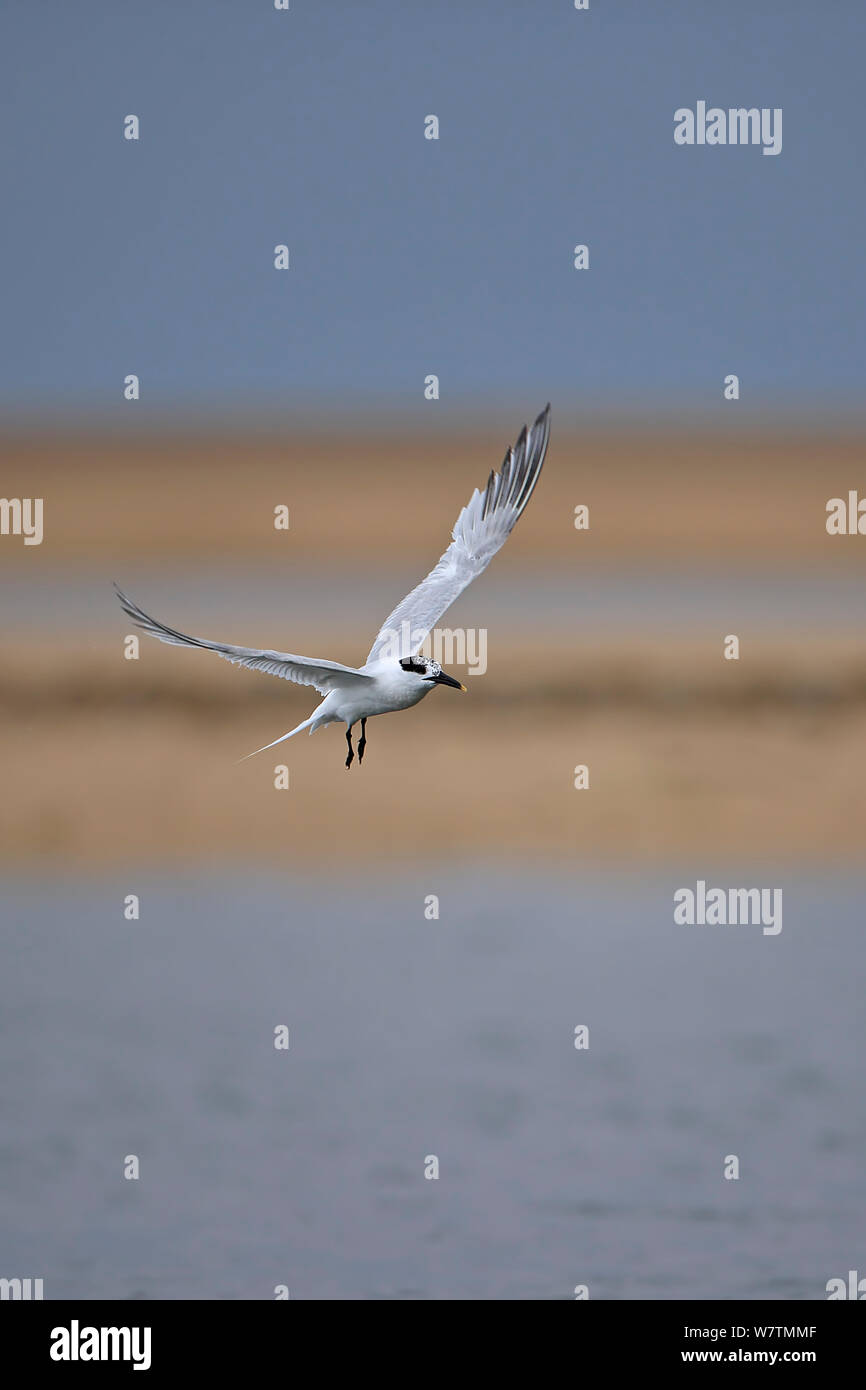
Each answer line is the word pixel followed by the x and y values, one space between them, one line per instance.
pixel 381 699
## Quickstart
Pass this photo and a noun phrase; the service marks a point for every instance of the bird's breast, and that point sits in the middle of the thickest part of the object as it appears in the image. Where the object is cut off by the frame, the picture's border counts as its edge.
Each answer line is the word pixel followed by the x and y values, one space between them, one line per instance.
pixel 394 695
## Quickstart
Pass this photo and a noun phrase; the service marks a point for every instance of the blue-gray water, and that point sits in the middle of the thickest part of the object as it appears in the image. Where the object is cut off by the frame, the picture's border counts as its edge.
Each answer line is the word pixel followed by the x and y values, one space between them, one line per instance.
pixel 267 599
pixel 412 1038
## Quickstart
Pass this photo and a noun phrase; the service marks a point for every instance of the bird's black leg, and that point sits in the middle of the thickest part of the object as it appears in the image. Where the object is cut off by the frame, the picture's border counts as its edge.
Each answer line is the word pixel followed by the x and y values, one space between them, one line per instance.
pixel 363 742
pixel 351 753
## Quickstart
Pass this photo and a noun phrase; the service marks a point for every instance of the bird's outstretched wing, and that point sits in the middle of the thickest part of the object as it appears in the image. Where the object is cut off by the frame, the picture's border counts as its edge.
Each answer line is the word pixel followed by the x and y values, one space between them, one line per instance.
pixel 481 529
pixel 303 670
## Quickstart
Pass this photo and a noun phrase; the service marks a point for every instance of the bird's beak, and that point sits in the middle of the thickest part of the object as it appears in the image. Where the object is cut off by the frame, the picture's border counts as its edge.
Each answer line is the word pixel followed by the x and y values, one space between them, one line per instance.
pixel 442 679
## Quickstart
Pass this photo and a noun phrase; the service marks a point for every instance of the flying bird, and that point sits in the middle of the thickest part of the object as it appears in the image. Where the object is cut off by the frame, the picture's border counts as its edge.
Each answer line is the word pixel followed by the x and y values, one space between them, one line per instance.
pixel 395 675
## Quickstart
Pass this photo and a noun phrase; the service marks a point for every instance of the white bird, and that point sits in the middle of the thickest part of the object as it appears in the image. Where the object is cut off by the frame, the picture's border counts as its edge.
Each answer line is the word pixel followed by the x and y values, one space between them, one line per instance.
pixel 394 675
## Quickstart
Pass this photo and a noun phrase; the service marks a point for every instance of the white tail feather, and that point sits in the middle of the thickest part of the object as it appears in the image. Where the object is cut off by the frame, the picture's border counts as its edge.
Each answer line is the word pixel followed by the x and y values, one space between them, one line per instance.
pixel 306 724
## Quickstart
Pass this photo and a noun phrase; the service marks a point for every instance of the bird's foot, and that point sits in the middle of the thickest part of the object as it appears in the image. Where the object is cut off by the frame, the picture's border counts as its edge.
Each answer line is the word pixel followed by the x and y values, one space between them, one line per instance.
pixel 351 753
pixel 362 742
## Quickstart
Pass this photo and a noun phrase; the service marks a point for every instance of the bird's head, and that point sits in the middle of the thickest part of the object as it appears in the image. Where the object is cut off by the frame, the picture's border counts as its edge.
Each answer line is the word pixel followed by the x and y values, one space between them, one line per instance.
pixel 429 671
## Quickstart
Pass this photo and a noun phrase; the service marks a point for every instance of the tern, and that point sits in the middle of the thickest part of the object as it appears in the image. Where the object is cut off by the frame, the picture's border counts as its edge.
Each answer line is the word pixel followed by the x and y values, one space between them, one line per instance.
pixel 395 675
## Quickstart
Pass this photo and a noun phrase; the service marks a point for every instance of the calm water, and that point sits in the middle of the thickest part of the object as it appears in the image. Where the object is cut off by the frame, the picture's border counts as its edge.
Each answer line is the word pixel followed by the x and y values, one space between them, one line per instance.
pixel 412 1038
pixel 242 604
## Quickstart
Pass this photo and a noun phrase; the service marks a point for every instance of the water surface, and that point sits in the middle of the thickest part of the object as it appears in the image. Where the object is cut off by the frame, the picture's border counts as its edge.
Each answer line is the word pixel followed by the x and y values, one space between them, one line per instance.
pixel 409 1038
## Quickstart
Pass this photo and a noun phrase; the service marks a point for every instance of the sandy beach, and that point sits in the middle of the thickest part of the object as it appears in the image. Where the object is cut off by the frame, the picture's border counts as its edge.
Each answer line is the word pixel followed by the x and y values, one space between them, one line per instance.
pixel 605 649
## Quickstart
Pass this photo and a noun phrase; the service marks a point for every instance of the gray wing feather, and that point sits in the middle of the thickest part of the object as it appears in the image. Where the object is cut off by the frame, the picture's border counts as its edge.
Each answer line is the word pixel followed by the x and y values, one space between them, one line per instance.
pixel 482 528
pixel 303 670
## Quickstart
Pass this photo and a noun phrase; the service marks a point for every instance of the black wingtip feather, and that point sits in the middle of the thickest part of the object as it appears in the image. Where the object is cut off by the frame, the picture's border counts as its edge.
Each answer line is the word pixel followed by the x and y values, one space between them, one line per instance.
pixel 488 494
pixel 538 441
